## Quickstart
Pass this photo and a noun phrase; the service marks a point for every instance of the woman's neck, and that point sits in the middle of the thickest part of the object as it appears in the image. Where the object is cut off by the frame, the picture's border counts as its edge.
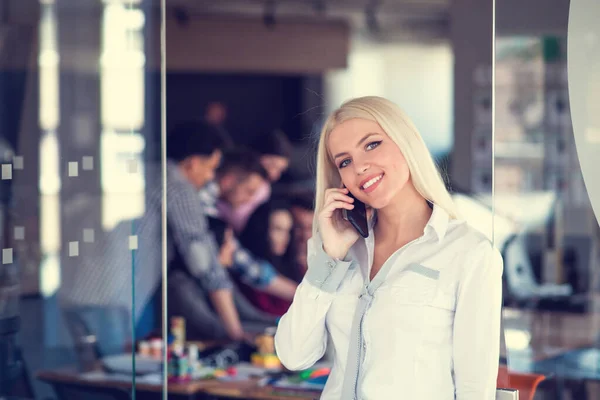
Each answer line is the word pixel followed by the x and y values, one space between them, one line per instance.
pixel 404 218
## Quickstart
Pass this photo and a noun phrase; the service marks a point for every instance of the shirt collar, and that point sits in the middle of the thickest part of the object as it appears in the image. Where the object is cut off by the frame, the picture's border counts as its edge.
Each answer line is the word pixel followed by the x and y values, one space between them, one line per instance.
pixel 438 221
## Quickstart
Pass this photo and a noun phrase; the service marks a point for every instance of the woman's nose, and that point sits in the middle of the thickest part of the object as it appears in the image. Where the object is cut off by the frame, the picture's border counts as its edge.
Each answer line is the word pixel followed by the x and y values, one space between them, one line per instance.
pixel 361 167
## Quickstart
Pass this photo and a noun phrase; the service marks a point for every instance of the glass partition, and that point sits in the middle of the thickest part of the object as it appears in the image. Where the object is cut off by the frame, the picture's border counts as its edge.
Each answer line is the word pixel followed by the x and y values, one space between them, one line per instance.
pixel 82 233
pixel 545 153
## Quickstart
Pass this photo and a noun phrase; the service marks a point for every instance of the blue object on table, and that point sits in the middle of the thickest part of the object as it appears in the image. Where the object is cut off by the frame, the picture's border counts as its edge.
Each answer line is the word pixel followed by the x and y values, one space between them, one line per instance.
pixel 320 380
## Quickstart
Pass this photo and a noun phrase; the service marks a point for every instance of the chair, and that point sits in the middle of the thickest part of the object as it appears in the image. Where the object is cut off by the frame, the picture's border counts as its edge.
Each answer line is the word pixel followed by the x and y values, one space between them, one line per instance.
pixel 526 384
pixel 106 330
pixel 520 280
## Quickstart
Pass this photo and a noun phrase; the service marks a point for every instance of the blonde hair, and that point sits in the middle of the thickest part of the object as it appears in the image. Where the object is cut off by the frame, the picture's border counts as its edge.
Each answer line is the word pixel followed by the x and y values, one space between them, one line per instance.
pixel 424 173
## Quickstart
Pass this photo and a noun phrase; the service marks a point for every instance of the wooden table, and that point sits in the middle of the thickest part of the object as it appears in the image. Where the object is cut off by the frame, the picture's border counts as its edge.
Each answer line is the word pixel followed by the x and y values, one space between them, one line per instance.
pixel 251 390
pixel 69 381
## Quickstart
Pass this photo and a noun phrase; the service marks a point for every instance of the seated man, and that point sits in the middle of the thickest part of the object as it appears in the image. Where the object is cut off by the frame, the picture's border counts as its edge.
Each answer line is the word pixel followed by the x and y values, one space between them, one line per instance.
pixel 238 178
pixel 194 152
pixel 104 278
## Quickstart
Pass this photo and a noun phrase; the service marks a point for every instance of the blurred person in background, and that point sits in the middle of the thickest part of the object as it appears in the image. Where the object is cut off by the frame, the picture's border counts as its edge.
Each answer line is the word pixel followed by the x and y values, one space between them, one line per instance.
pixel 194 151
pixel 302 207
pixel 238 178
pixel 274 151
pixel 268 236
pixel 216 115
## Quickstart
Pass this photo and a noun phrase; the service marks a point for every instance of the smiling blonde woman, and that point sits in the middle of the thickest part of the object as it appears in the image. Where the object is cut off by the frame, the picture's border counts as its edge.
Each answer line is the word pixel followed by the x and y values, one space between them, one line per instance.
pixel 413 310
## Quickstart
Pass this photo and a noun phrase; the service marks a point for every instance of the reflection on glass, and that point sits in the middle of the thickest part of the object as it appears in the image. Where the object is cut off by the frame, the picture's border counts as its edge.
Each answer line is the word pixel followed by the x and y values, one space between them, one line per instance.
pixel 73 144
pixel 551 256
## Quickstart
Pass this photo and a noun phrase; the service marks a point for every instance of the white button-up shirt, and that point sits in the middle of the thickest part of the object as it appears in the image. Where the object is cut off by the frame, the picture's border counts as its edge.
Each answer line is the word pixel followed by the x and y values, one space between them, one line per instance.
pixel 431 331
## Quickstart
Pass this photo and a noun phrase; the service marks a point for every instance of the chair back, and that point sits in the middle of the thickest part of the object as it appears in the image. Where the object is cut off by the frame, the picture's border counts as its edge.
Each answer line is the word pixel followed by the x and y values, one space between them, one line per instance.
pixel 526 384
pixel 108 329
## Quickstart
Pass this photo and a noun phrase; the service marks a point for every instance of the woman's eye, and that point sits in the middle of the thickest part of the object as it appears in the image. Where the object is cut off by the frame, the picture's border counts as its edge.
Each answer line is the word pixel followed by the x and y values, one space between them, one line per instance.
pixel 372 145
pixel 344 163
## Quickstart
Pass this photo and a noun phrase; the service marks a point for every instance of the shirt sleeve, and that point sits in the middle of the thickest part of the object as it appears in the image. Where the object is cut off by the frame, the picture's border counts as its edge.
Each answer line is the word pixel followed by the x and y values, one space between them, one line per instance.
pixel 253 272
pixel 301 338
pixel 477 326
pixel 189 227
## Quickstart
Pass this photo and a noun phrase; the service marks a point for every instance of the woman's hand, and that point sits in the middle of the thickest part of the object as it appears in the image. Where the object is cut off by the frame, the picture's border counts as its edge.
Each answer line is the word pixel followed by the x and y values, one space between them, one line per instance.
pixel 337 234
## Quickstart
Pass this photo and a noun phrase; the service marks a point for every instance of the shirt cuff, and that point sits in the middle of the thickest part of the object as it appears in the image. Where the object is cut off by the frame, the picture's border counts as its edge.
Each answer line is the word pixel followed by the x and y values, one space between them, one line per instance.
pixel 325 272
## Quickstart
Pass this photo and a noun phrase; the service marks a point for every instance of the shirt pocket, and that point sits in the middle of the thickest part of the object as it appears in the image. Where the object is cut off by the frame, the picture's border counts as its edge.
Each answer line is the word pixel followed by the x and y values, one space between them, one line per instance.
pixel 439 314
pixel 445 297
pixel 416 285
pixel 402 303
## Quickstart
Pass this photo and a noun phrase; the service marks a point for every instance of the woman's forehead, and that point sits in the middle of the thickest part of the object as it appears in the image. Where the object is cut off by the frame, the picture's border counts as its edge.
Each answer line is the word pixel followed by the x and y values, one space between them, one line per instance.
pixel 347 135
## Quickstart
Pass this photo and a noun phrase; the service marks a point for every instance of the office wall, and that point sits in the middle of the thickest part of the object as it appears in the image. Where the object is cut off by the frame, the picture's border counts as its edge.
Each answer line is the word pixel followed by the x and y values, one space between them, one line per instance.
pixel 228 44
pixel 256 103
pixel 416 76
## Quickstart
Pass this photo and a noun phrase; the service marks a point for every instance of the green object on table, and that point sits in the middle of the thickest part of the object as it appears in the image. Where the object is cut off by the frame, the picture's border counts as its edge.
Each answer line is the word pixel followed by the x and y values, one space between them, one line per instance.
pixel 305 375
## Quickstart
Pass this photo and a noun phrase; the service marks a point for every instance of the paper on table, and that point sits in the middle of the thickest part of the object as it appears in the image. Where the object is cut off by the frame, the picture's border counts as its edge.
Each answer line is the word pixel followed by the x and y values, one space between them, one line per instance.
pixel 101 375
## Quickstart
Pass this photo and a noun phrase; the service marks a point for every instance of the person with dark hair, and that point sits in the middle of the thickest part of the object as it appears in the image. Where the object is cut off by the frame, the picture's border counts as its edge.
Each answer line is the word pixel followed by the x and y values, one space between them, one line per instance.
pixel 215 114
pixel 274 151
pixel 194 153
pixel 238 177
pixel 268 236
pixel 302 207
pixel 195 149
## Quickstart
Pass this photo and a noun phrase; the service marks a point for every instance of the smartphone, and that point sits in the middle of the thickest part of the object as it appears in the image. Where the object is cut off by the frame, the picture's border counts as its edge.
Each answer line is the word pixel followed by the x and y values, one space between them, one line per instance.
pixel 357 216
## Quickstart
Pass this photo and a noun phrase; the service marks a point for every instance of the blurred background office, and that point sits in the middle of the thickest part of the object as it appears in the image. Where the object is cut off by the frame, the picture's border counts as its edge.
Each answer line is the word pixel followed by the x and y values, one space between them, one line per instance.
pixel 83 125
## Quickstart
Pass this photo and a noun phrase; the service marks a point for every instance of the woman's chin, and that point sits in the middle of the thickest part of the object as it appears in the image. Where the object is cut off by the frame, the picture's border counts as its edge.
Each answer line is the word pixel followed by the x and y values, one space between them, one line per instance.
pixel 377 203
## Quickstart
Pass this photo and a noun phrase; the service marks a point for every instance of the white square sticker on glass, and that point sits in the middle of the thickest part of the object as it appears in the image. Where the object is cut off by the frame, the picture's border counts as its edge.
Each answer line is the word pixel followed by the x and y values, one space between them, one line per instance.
pixel 87 163
pixel 73 168
pixel 133 242
pixel 19 232
pixel 7 256
pixel 6 171
pixel 73 249
pixel 88 235
pixel 18 162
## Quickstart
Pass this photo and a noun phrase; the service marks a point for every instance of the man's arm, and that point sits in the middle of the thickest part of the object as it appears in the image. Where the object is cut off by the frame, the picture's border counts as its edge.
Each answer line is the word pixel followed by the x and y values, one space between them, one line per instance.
pixel 222 300
pixel 200 254
pixel 261 275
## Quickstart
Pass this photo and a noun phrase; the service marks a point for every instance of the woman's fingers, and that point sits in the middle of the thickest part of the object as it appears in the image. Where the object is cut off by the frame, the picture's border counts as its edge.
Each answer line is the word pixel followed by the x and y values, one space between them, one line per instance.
pixel 337 204
pixel 338 195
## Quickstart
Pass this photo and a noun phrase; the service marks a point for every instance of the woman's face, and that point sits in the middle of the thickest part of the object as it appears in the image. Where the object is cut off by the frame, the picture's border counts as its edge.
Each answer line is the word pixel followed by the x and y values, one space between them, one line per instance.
pixel 280 228
pixel 370 164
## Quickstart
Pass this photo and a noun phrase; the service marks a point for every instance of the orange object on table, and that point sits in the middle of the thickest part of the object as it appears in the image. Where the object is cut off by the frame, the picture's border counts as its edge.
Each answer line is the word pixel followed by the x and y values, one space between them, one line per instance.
pixel 320 372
